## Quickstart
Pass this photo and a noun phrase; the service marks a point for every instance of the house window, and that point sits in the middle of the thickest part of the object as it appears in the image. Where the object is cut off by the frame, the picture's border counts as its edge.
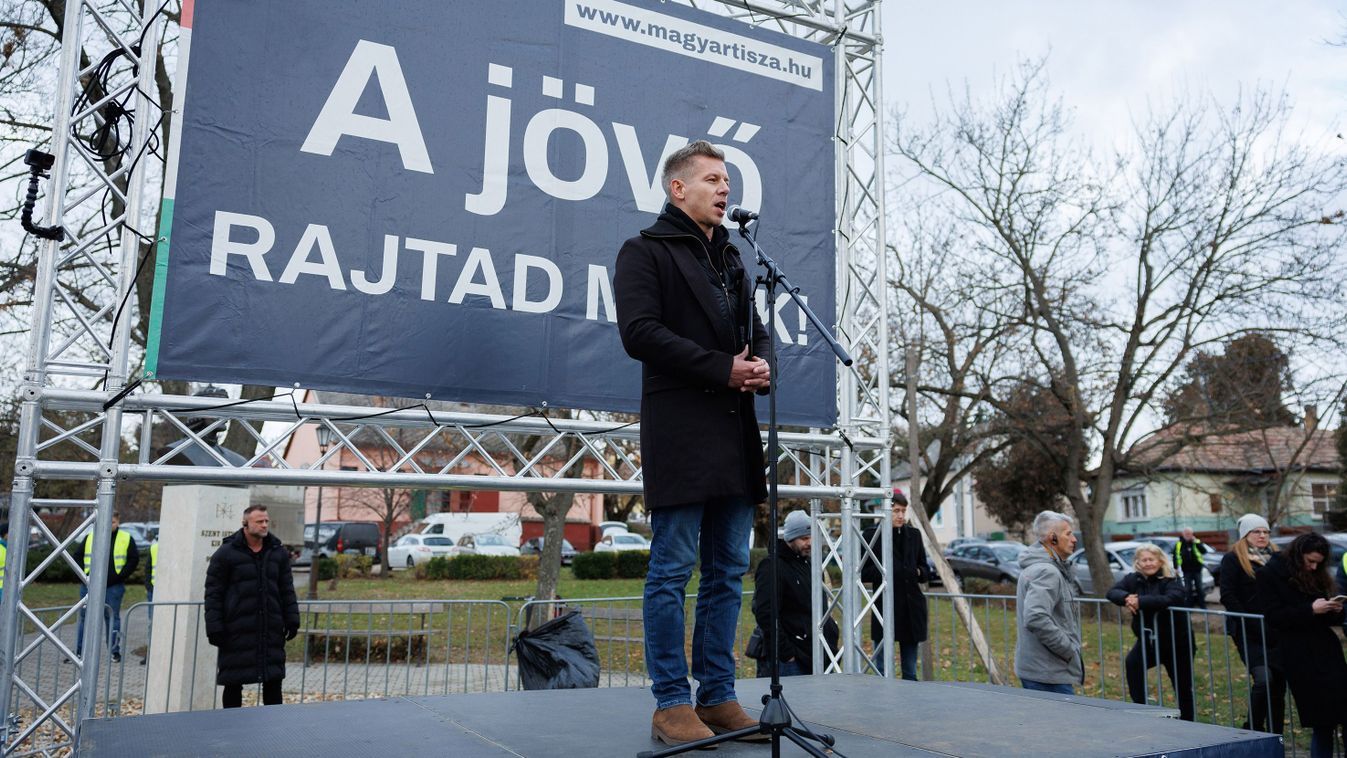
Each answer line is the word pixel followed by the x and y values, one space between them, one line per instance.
pixel 1134 506
pixel 1322 495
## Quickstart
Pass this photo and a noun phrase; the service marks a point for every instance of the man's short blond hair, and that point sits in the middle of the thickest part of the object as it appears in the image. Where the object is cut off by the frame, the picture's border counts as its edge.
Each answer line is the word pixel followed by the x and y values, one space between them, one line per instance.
pixel 677 164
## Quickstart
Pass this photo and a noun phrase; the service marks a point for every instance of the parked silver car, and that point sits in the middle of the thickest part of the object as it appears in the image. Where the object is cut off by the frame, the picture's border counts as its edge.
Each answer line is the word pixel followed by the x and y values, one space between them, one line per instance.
pixel 535 547
pixel 616 542
pixel 993 561
pixel 142 533
pixel 1120 557
pixel 1211 556
pixel 485 543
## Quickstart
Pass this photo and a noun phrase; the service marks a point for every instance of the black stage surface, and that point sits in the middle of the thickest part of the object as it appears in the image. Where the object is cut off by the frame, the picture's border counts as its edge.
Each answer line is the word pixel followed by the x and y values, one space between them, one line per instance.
pixel 870 717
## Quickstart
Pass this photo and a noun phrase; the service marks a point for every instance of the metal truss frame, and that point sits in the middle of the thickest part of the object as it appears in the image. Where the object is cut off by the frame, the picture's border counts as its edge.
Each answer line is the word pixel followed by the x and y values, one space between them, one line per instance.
pixel 71 341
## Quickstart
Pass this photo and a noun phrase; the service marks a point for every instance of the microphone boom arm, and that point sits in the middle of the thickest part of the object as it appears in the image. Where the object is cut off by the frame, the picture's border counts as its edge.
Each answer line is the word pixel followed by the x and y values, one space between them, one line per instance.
pixel 775 275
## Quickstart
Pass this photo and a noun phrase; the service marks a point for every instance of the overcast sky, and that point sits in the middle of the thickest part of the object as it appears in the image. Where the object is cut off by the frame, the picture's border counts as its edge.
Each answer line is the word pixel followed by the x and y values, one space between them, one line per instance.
pixel 1107 58
pixel 1109 61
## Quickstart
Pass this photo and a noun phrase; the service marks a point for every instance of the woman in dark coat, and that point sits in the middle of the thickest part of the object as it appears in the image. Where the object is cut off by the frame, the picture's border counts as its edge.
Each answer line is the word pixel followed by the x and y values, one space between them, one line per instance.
pixel 251 609
pixel 1256 645
pixel 910 571
pixel 1163 638
pixel 1294 592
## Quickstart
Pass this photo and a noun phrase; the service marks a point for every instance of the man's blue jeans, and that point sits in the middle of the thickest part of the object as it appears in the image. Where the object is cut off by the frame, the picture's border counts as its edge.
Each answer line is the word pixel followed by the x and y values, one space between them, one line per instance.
pixel 717 531
pixel 1061 689
pixel 907 659
pixel 788 668
pixel 111 624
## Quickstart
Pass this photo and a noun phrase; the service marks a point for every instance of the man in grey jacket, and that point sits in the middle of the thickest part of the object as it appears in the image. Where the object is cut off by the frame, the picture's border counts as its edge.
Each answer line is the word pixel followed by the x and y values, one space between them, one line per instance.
pixel 1047 648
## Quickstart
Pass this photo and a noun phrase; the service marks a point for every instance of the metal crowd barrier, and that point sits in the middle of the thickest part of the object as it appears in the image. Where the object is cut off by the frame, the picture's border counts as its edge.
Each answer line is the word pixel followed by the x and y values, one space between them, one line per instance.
pixel 345 650
pixel 350 650
pixel 1222 686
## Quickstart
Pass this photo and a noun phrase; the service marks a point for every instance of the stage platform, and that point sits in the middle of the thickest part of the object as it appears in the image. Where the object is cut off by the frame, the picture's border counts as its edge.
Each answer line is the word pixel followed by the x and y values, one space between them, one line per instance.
pixel 870 717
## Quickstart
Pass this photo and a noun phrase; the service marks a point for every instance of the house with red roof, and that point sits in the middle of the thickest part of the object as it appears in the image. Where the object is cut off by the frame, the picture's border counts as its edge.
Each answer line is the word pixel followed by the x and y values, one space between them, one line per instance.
pixel 1206 479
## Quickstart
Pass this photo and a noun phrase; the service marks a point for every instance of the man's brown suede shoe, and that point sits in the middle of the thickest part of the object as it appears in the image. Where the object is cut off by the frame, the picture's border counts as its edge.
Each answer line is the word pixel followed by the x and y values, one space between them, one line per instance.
pixel 730 717
pixel 677 725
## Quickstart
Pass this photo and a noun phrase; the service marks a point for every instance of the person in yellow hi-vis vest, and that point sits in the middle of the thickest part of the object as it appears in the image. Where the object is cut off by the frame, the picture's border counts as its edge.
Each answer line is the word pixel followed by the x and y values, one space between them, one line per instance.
pixel 4 553
pixel 152 571
pixel 1342 578
pixel 121 564
pixel 151 576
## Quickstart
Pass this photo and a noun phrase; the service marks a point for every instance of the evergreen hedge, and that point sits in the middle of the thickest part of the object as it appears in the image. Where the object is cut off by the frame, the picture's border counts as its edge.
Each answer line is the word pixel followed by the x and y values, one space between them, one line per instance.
pixel 625 564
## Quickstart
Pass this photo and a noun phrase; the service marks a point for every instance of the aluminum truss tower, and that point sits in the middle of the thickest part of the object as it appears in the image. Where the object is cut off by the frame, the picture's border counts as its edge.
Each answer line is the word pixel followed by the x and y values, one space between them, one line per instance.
pixel 101 205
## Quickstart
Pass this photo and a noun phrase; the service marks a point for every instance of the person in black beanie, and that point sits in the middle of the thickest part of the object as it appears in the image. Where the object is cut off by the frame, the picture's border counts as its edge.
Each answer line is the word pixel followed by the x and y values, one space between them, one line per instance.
pixel 1189 562
pixel 794 583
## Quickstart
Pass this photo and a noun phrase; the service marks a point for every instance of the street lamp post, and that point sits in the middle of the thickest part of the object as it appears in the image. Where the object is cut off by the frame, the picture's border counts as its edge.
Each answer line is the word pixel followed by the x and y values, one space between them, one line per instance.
pixel 324 440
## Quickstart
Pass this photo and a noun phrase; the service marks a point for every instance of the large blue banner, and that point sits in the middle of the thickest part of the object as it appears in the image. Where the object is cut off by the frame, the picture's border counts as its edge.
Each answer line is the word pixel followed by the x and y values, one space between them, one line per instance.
pixel 426 199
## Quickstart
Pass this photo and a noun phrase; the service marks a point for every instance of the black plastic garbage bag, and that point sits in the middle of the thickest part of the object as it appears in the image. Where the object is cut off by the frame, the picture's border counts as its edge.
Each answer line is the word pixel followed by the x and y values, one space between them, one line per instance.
pixel 559 655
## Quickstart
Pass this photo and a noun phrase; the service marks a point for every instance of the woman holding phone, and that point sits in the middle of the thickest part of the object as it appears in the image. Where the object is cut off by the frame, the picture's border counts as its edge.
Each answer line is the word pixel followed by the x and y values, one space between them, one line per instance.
pixel 1296 594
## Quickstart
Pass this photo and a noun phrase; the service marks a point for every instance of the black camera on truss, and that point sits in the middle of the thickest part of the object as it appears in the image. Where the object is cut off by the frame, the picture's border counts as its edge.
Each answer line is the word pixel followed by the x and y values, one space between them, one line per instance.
pixel 38 162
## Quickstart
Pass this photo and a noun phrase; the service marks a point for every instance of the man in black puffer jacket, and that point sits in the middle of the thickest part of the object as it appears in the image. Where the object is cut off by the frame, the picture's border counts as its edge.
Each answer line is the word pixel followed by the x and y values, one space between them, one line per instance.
pixel 251 609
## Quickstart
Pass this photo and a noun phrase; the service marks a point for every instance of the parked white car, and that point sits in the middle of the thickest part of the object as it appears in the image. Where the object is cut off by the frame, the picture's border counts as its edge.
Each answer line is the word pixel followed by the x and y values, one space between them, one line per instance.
pixel 415 549
pixel 484 544
pixel 615 542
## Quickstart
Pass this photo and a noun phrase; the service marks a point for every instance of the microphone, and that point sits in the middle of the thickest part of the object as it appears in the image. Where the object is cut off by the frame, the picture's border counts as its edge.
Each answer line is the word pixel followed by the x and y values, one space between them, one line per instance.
pixel 740 215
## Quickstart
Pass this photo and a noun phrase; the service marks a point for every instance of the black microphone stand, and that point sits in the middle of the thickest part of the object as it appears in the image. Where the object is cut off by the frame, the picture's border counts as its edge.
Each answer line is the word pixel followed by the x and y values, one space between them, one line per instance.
pixel 778 719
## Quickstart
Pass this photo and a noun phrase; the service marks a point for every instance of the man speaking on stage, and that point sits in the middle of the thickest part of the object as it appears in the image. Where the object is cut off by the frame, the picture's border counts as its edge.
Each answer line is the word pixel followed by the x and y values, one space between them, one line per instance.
pixel 685 311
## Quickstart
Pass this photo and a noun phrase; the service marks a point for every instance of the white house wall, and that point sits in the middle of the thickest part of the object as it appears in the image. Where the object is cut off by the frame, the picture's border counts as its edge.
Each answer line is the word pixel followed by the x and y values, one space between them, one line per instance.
pixel 1183 499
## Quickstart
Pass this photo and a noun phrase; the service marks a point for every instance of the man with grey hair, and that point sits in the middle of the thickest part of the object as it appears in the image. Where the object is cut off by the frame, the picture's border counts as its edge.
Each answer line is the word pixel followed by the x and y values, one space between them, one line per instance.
pixel 685 311
pixel 1047 647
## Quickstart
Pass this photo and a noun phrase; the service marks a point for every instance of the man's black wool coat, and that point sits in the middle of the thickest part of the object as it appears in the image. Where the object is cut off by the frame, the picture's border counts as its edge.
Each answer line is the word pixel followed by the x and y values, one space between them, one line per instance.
pixel 699 438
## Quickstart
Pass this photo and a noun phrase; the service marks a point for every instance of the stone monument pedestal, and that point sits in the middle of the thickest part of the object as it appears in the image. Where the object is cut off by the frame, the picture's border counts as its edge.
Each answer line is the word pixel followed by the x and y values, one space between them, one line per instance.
pixel 194 519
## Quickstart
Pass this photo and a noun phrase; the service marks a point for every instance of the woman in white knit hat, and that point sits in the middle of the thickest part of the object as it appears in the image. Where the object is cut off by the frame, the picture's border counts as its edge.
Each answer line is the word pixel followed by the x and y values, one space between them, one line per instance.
pixel 1259 652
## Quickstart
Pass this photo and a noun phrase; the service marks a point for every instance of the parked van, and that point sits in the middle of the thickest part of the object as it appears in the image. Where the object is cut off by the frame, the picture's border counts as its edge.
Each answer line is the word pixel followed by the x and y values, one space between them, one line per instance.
pixel 340 537
pixel 455 525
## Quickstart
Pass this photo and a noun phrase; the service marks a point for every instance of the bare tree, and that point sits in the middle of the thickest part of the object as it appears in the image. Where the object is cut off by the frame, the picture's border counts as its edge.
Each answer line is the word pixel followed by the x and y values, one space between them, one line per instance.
pixel 31 34
pixel 959 317
pixel 1287 453
pixel 553 507
pixel 1024 479
pixel 1214 223
pixel 389 505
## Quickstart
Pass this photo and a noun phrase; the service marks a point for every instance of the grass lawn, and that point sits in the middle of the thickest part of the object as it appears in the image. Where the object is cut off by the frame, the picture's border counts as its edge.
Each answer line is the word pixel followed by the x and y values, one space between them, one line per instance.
pixel 462 632
pixel 459 631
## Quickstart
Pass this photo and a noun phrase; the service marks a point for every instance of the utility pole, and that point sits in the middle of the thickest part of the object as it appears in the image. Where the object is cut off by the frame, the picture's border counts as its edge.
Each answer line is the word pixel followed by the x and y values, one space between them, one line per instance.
pixel 918 508
pixel 324 441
